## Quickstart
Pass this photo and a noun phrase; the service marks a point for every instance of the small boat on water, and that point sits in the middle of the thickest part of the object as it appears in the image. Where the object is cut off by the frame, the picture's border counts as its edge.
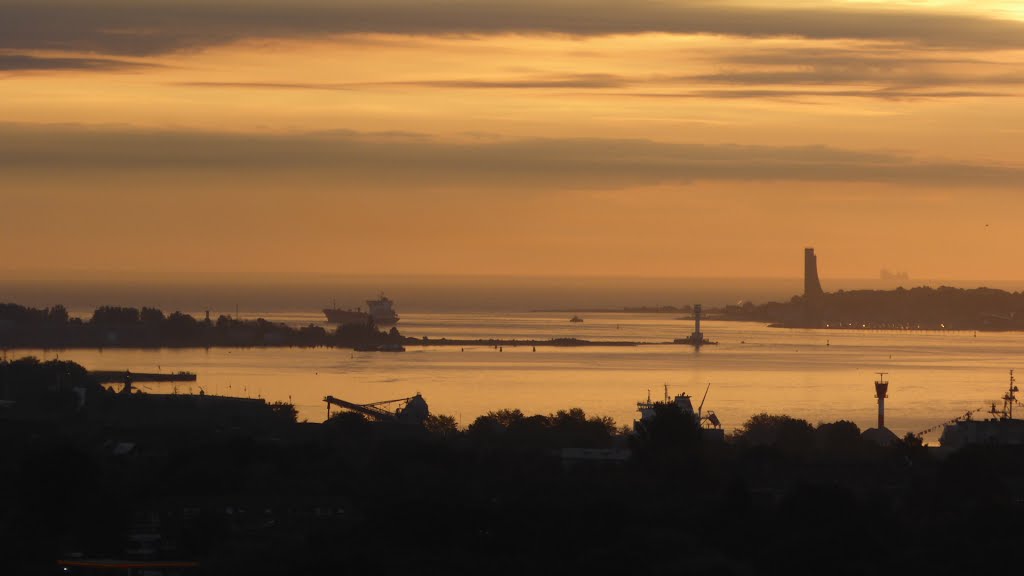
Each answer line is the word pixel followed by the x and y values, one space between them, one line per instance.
pixel 575 319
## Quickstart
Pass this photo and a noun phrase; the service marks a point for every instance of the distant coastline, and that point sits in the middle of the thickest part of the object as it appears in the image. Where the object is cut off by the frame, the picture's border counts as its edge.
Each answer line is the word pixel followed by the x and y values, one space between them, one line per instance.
pixel 625 310
pixel 943 308
pixel 494 342
pixel 921 308
pixel 150 328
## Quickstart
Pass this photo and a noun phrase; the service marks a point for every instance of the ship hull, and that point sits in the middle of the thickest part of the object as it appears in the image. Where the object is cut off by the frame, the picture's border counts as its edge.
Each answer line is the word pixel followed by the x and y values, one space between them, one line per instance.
pixel 338 316
pixel 385 320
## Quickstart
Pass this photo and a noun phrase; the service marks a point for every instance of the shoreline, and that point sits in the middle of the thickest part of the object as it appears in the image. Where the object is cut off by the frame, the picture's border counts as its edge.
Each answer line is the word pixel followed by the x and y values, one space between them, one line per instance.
pixel 426 343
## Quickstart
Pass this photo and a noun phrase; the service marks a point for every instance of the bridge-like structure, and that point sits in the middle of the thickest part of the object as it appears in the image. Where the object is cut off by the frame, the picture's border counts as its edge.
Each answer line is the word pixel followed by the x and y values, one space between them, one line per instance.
pixel 373 410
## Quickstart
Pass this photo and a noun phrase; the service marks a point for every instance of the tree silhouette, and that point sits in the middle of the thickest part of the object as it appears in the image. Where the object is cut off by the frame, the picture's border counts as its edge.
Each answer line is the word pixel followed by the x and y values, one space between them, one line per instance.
pixel 779 430
pixel 442 425
pixel 666 440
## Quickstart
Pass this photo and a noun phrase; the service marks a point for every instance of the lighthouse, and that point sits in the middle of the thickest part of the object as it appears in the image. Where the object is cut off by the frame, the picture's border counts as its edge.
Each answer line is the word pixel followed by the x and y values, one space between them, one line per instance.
pixel 698 336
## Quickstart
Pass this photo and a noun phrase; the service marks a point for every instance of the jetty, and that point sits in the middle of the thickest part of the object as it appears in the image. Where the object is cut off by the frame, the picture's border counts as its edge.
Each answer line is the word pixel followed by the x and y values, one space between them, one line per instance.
pixel 119 376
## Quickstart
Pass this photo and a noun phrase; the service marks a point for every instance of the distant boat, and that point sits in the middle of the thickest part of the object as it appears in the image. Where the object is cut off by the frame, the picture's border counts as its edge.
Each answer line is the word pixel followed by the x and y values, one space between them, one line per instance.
pixel 575 319
pixel 380 310
pixel 338 316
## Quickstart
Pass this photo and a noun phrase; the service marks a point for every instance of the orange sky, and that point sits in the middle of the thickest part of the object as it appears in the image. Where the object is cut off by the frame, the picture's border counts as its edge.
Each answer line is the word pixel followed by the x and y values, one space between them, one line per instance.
pixel 498 137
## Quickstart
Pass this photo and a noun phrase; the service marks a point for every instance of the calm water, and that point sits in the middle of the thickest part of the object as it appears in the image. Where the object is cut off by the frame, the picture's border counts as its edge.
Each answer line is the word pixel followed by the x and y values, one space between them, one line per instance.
pixel 934 376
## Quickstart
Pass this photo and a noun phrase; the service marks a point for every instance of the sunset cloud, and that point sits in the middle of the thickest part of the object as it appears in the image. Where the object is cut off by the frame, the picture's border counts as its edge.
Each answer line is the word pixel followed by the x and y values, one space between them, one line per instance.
pixel 546 81
pixel 130 27
pixel 25 62
pixel 537 164
pixel 546 132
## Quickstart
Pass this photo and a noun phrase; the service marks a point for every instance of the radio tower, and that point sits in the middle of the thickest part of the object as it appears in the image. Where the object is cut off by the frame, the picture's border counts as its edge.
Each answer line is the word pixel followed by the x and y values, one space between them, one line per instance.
pixel 881 392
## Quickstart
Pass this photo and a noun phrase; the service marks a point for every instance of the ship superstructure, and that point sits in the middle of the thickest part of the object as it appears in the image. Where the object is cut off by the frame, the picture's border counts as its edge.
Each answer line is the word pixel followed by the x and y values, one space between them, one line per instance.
pixel 710 426
pixel 1001 429
pixel 381 311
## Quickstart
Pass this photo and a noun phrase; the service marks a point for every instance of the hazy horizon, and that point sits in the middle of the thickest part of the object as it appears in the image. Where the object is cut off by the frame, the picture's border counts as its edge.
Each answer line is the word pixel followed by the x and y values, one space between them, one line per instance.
pixel 428 293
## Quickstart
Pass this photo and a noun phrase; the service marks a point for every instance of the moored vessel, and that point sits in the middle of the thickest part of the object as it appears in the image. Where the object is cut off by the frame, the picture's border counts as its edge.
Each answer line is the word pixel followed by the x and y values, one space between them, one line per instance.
pixel 339 316
pixel 381 311
pixel 709 425
pixel 1001 429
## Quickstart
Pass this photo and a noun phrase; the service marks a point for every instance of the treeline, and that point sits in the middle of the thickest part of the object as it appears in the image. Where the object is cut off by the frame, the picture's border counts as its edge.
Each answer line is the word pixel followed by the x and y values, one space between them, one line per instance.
pixel 51 384
pixel 113 326
pixel 511 429
pixel 54 390
pixel 784 496
pixel 670 432
pixel 916 308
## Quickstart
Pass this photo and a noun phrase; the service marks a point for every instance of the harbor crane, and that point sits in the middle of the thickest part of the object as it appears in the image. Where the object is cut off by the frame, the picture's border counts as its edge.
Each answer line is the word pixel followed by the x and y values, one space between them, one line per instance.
pixel 413 408
pixel 709 420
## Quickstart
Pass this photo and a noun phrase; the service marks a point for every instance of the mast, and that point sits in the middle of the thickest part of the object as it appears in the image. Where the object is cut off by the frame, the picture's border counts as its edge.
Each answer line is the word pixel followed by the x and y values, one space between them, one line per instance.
pixel 1010 398
pixel 881 392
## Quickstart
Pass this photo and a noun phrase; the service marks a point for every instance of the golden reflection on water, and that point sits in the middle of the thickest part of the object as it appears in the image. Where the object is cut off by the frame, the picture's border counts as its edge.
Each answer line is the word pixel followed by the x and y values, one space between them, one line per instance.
pixel 816 375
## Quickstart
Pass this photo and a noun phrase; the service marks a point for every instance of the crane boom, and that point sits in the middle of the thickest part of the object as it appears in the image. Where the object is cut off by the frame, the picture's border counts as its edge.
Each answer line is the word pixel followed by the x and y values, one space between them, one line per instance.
pixel 700 410
pixel 372 410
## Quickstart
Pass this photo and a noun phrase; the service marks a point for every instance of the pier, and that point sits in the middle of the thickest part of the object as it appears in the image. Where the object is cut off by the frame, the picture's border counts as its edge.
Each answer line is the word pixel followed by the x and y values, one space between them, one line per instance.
pixel 119 376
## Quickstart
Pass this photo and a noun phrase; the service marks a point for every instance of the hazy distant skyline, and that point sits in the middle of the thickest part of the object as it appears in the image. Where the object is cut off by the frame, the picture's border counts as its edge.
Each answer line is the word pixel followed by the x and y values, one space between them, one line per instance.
pixel 658 139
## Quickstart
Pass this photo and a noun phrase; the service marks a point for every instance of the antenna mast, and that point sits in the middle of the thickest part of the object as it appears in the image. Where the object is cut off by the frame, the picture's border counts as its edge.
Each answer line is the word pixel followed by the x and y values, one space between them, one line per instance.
pixel 881 392
pixel 1010 398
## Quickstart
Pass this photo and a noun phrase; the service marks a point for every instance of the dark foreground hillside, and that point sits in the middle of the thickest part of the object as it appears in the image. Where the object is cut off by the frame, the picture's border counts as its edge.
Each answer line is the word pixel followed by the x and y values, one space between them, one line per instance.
pixel 272 496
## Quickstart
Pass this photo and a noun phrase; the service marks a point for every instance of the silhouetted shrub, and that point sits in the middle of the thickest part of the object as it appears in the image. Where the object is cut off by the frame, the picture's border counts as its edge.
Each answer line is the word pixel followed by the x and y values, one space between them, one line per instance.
pixel 781 431
pixel 441 425
pixel 839 438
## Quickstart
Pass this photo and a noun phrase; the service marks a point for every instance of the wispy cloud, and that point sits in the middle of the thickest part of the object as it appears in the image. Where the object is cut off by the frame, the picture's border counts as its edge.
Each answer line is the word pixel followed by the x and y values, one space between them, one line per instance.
pixel 361 159
pixel 537 82
pixel 884 71
pixel 857 80
pixel 815 95
pixel 131 27
pixel 26 63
